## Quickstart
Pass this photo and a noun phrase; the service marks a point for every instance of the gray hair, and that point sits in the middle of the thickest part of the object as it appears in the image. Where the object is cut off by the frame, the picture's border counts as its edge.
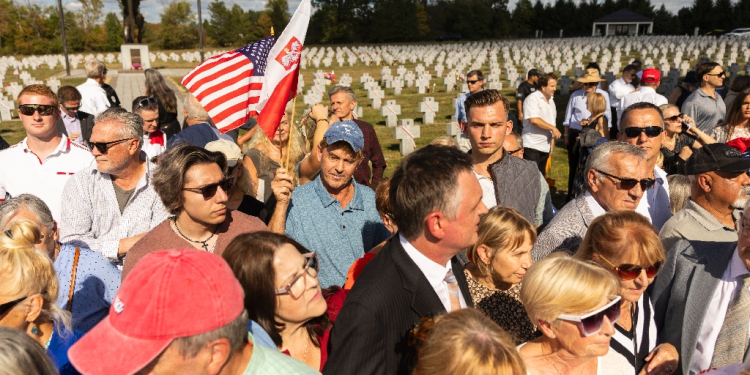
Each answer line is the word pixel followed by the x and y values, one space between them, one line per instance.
pixel 516 138
pixel 600 159
pixel 194 109
pixel 235 332
pixel 679 191
pixel 21 355
pixel 346 90
pixel 94 68
pixel 34 204
pixel 131 125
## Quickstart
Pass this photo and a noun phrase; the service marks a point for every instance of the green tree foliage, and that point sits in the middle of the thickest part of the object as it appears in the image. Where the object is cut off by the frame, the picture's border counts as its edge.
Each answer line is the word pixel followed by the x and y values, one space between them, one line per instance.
pixel 178 29
pixel 112 32
pixel 523 15
pixel 278 10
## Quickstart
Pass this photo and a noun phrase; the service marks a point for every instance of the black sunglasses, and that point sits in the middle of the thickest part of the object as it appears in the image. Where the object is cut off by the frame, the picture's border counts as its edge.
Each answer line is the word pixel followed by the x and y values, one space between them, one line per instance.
pixel 473 82
pixel 9 305
pixel 209 190
pixel 146 102
pixel 676 118
pixel 103 147
pixel 514 151
pixel 71 109
pixel 629 183
pixel 44 110
pixel 722 74
pixel 634 131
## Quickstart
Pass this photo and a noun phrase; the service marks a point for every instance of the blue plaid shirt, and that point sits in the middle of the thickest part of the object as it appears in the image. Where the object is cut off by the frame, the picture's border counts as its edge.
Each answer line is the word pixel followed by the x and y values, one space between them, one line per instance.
pixel 340 236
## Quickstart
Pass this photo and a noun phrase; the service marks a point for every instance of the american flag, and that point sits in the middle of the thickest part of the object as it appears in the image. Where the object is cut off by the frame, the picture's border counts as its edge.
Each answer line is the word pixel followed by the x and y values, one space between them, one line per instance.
pixel 228 85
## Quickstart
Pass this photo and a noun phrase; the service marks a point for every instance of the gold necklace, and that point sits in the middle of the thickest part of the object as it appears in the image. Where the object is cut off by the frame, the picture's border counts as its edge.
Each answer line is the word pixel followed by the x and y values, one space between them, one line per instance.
pixel 549 360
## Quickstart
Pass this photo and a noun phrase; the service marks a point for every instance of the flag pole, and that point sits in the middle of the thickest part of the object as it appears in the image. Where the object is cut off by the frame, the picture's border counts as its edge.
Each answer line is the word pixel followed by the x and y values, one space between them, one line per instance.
pixel 291 129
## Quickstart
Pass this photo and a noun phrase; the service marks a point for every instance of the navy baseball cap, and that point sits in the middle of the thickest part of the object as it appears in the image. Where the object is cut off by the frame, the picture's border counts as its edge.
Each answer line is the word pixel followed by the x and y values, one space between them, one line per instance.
pixel 347 131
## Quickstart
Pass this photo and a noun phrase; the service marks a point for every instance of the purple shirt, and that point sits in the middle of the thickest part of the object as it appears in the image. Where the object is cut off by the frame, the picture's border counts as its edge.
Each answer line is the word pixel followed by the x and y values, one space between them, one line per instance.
pixel 72 125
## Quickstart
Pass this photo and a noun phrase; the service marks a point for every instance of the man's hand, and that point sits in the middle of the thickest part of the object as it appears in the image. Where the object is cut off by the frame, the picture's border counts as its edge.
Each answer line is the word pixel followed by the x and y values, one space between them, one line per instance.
pixel 74 136
pixel 556 134
pixel 282 186
pixel 127 243
pixel 520 116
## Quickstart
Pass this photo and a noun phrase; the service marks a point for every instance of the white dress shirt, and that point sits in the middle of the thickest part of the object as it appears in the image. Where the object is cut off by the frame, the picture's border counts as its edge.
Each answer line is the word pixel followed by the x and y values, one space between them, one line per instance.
pixel 488 190
pixel 577 109
pixel 537 106
pixel 716 313
pixel 435 274
pixel 655 204
pixel 645 94
pixel 617 90
pixel 596 209
pixel 93 97
pixel 22 172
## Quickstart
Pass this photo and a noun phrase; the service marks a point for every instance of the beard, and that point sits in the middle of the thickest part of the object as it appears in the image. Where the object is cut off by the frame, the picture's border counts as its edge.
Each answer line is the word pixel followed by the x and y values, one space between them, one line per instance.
pixel 740 202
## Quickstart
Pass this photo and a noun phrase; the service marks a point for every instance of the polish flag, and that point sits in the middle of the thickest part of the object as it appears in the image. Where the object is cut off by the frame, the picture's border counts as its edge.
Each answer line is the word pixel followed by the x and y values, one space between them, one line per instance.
pixel 282 70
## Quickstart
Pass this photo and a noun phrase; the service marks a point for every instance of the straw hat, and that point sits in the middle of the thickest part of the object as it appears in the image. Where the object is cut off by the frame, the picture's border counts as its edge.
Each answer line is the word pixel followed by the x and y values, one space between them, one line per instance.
pixel 592 75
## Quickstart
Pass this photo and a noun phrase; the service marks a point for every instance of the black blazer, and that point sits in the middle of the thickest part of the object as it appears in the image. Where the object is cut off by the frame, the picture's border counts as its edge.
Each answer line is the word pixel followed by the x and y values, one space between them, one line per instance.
pixel 390 297
pixel 87 124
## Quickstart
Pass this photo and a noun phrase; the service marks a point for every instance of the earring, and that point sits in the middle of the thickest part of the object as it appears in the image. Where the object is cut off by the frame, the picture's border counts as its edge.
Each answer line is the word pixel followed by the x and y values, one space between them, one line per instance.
pixel 34 331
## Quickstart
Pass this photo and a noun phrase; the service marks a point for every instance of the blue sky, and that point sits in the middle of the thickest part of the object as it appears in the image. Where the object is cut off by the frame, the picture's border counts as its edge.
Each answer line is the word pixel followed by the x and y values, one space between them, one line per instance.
pixel 151 9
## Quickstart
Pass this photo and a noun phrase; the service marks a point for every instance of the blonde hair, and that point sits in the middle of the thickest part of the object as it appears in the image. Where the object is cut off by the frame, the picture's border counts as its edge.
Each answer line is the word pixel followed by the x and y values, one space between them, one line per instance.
pixel 444 140
pixel 467 342
pixel 501 229
pixel 25 271
pixel 596 103
pixel 260 141
pixel 561 284
pixel 679 191
pixel 619 233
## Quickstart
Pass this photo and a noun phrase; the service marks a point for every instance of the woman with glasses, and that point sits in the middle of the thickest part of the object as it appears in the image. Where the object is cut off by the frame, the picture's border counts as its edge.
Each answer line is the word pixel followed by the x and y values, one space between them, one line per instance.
pixel 498 263
pixel 28 291
pixel 737 123
pixel 680 139
pixel 283 295
pixel 192 183
pixel 575 305
pixel 156 87
pixel 626 245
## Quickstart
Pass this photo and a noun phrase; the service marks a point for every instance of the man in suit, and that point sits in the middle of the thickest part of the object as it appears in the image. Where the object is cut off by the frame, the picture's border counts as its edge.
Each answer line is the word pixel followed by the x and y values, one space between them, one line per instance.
pixel 73 123
pixel 436 202
pixel 701 301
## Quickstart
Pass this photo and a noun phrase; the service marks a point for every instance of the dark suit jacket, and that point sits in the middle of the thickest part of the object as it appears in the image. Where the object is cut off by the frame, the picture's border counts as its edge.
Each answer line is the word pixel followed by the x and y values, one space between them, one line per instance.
pixel 683 290
pixel 87 124
pixel 390 297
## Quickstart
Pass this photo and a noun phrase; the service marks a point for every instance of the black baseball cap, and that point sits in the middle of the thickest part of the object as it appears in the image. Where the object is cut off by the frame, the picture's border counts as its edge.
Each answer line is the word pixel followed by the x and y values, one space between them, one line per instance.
pixel 716 157
pixel 533 73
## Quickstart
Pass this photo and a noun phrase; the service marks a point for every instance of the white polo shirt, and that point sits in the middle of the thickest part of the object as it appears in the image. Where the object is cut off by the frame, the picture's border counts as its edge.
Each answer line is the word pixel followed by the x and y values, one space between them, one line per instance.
pixel 21 172
pixel 534 137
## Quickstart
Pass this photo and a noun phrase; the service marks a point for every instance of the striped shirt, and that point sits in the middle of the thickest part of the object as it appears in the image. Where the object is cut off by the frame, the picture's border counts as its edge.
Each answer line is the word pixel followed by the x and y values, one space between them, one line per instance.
pixel 91 216
pixel 644 327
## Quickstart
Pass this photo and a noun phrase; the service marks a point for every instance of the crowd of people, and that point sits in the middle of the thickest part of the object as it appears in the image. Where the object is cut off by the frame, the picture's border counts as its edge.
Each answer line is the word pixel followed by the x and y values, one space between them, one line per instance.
pixel 131 244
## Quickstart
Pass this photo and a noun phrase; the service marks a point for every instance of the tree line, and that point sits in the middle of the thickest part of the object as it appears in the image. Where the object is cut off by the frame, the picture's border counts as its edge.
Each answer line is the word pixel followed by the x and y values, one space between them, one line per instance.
pixel 27 28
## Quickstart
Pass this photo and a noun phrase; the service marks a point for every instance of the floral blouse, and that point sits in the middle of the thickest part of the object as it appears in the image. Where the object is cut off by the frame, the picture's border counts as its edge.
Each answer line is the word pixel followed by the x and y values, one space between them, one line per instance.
pixel 504 307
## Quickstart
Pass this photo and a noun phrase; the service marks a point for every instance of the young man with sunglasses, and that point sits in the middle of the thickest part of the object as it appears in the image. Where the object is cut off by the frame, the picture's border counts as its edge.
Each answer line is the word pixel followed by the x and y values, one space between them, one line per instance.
pixel 642 125
pixel 93 96
pixel 41 163
pixel 111 205
pixel 705 105
pixel 577 111
pixel 475 81
pixel 702 295
pixel 719 187
pixel 73 122
pixel 616 177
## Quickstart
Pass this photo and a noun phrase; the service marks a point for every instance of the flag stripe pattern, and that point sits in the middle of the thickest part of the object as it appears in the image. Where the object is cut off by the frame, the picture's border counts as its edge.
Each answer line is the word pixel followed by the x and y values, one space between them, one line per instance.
pixel 228 85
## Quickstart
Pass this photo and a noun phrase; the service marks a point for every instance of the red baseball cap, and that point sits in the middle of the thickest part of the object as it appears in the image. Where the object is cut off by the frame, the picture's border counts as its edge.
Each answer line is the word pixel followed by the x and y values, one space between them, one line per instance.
pixel 651 75
pixel 168 295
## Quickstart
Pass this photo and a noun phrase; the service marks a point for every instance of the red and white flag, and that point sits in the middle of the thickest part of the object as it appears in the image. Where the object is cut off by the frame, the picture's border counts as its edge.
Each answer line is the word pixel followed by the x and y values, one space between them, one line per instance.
pixel 282 70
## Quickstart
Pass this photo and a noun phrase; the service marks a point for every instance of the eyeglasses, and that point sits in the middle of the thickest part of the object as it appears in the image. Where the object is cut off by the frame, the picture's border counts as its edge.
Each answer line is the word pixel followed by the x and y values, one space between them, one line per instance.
pixel 631 271
pixel 209 190
pixel 44 110
pixel 146 102
pixel 297 287
pixel 677 118
pixel 103 147
pixel 514 151
pixel 71 109
pixel 592 322
pixel 473 82
pixel 9 305
pixel 591 83
pixel 722 74
pixel 634 131
pixel 629 183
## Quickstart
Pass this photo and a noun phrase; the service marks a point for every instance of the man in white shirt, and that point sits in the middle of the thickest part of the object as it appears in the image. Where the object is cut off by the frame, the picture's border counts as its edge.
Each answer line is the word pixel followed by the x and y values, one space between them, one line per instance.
pixel 701 301
pixel 646 93
pixel 642 126
pixel 540 115
pixel 417 273
pixel 617 90
pixel 41 163
pixel 93 97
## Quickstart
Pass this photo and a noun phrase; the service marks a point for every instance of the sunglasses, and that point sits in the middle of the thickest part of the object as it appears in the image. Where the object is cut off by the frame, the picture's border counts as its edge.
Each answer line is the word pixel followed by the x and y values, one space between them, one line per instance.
pixel 297 287
pixel 71 109
pixel 514 151
pixel 592 322
pixel 9 305
pixel 631 271
pixel 629 183
pixel 722 74
pixel 209 190
pixel 634 131
pixel 473 82
pixel 591 83
pixel 677 118
pixel 44 110
pixel 147 102
pixel 103 147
